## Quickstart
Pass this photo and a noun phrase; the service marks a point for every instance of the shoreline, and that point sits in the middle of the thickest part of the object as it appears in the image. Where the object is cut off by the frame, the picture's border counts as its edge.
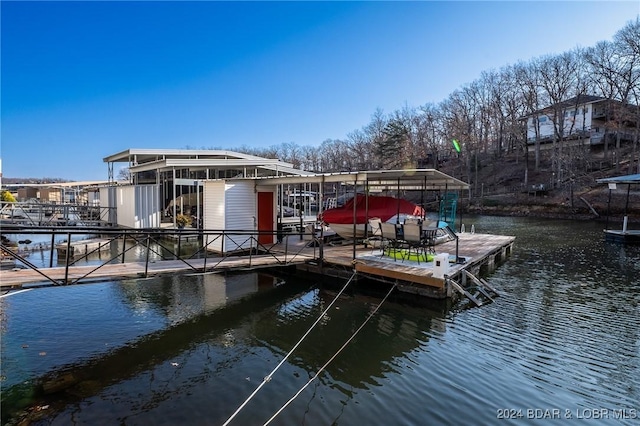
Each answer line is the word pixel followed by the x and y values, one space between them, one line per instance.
pixel 519 210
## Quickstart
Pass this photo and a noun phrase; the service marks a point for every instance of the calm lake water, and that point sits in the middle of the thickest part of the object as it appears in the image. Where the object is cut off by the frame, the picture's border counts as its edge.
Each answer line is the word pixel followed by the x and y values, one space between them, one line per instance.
pixel 563 341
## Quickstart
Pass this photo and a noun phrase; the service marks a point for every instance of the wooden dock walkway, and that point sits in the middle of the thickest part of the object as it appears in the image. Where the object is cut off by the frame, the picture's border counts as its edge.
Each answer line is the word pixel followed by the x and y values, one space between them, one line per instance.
pixel 478 253
pixel 16 278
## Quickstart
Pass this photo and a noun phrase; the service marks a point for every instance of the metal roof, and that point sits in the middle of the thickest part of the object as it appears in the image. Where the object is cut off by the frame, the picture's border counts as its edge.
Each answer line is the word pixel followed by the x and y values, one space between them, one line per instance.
pixel 630 179
pixel 410 179
pixel 149 155
pixel 165 159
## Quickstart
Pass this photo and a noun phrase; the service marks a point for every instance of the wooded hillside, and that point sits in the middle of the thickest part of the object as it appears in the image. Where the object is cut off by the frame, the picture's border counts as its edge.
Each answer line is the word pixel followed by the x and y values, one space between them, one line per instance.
pixel 486 118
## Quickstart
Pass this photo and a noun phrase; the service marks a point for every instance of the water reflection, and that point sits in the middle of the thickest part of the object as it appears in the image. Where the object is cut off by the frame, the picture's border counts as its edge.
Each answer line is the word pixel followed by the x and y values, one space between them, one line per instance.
pixel 190 350
pixel 180 297
pixel 125 327
pixel 39 253
pixel 203 342
pixel 389 335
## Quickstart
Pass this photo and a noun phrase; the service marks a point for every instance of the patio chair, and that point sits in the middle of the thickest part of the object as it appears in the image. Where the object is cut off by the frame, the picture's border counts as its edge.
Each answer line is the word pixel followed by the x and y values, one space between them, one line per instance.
pixel 374 238
pixel 414 241
pixel 374 227
pixel 388 232
pixel 429 239
pixel 412 221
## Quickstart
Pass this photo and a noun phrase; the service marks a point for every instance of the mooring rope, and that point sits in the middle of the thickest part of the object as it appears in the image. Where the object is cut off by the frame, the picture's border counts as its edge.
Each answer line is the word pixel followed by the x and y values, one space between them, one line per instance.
pixel 268 377
pixel 12 293
pixel 331 359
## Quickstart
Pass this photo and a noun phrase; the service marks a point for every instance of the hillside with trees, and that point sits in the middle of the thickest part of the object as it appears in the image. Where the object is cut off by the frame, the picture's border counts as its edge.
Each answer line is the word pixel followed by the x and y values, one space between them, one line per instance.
pixel 488 118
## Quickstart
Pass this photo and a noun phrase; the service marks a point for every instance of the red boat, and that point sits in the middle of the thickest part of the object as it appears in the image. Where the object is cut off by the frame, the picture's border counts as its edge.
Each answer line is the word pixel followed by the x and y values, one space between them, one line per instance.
pixel 369 207
pixel 340 219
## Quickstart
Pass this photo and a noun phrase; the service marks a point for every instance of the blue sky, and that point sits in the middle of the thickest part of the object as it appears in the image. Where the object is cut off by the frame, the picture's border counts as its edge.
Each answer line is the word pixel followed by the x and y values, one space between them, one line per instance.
pixel 83 80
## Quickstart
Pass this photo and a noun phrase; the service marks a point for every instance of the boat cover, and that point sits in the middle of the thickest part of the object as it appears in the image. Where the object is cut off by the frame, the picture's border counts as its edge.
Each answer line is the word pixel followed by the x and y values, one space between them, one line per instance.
pixel 369 207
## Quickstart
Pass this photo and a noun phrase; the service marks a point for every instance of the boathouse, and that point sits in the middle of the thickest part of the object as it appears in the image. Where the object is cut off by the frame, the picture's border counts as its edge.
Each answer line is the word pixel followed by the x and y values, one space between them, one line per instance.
pixel 162 183
pixel 262 196
pixel 225 190
pixel 242 227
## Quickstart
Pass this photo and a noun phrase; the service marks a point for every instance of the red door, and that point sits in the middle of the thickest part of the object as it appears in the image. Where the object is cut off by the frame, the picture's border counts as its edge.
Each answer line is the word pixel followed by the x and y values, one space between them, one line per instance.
pixel 265 216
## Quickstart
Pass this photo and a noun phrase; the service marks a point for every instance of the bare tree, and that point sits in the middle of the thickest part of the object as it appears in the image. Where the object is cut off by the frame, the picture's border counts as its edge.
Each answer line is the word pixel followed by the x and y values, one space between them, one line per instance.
pixel 361 149
pixel 459 118
pixel 528 79
pixel 601 59
pixel 432 134
pixel 310 158
pixel 628 72
pixel 375 132
pixel 497 114
pixel 558 81
pixel 124 175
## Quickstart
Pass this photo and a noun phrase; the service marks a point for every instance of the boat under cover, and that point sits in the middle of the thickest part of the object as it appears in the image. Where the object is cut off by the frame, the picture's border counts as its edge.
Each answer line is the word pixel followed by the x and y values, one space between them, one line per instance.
pixel 372 206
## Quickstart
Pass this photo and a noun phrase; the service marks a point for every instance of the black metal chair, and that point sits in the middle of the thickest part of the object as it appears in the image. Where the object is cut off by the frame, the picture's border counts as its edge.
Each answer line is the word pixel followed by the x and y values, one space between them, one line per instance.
pixel 429 239
pixel 413 240
pixel 389 234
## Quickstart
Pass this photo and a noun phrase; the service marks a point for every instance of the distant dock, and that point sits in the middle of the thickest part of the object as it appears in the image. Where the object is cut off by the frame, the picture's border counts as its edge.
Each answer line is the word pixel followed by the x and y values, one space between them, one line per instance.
pixel 82 247
pixel 622 236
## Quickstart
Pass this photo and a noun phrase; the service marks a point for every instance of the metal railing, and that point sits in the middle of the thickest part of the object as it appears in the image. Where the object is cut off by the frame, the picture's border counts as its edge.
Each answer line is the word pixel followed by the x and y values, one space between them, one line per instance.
pixel 50 214
pixel 166 244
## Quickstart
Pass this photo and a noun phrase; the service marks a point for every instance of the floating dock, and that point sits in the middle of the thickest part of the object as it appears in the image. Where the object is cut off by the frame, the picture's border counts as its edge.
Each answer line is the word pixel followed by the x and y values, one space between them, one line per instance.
pixel 82 247
pixel 622 236
pixel 446 276
pixel 477 254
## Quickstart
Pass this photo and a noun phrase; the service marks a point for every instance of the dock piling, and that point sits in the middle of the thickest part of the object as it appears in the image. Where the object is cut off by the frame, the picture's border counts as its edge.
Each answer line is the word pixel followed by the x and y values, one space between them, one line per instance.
pixel 146 262
pixel 66 260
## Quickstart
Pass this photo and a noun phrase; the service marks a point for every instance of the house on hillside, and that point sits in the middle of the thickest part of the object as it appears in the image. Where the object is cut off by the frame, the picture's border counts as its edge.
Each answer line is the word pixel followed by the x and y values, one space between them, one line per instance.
pixel 582 120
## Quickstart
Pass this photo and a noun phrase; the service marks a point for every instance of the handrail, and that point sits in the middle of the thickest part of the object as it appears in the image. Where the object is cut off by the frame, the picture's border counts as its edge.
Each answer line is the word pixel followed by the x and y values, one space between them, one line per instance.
pixel 238 242
pixel 53 214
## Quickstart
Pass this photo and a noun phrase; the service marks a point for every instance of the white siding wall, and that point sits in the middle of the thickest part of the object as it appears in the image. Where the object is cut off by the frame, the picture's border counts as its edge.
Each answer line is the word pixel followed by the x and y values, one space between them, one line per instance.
pixel 213 211
pixel 125 205
pixel 588 116
pixel 229 206
pixel 546 126
pixel 136 206
pixel 147 209
pixel 240 200
pixel 108 199
pixel 572 124
pixel 575 120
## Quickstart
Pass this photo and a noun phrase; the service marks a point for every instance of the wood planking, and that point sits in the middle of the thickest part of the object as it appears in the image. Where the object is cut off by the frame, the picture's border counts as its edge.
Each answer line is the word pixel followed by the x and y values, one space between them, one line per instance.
pixel 400 272
pixel 16 278
pixel 476 248
pixel 80 247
